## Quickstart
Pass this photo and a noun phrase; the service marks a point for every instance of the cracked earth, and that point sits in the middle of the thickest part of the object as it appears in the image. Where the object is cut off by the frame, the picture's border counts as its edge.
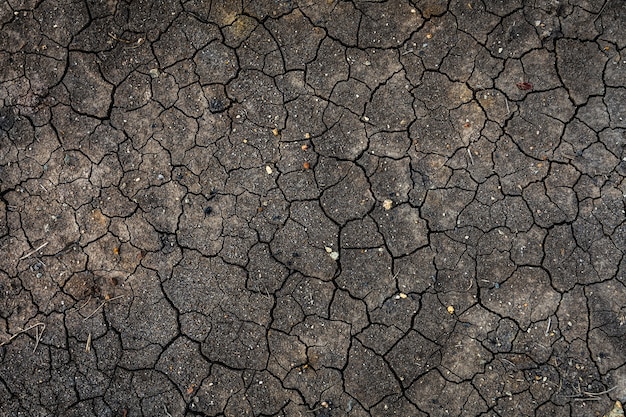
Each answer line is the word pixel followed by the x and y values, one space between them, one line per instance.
pixel 312 208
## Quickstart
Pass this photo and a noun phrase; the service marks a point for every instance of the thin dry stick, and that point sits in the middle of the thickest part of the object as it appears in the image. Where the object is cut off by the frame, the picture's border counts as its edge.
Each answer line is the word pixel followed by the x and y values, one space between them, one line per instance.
pixel 86 302
pixel 112 36
pixel 88 344
pixel 167 413
pixel 601 10
pixel 37 335
pixel 595 394
pixel 102 305
pixel 34 251
pixel 508 362
pixel 589 395
pixel 508 111
pixel 37 338
pixel 470 155
pixel 396 275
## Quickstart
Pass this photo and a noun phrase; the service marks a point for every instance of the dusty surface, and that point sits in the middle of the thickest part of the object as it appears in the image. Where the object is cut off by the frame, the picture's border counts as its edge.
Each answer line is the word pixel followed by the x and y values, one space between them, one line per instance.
pixel 312 208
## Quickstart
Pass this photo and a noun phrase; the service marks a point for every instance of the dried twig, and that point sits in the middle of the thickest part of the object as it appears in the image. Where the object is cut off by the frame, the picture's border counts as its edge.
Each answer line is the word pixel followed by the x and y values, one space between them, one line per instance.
pixel 601 10
pixel 112 36
pixel 102 305
pixel 595 394
pixel 470 155
pixel 589 395
pixel 508 362
pixel 137 43
pixel 34 251
pixel 396 275
pixel 38 334
pixel 86 302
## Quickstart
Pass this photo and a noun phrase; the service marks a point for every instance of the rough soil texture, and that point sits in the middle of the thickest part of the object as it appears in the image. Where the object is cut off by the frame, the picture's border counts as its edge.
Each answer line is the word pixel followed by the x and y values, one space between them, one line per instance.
pixel 312 208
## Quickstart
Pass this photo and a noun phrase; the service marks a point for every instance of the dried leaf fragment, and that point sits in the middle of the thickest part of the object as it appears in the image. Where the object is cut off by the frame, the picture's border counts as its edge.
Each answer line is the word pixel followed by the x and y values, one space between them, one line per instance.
pixel 616 411
pixel 387 204
pixel 451 309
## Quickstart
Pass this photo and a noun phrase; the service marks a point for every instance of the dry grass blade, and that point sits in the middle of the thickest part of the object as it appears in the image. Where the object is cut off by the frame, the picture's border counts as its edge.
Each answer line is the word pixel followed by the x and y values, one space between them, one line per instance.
pixel 38 334
pixel 102 304
pixel 34 251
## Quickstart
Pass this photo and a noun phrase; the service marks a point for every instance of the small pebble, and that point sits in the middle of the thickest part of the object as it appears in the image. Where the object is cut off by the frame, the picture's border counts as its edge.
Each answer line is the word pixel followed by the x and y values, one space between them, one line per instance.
pixel 268 169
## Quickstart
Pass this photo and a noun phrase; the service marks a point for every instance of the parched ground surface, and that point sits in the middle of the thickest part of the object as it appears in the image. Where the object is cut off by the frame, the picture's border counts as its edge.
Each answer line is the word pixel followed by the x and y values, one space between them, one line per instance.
pixel 312 208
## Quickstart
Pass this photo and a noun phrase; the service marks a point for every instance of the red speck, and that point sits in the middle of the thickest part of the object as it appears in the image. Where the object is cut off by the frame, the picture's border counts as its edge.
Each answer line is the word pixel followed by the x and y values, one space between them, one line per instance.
pixel 524 86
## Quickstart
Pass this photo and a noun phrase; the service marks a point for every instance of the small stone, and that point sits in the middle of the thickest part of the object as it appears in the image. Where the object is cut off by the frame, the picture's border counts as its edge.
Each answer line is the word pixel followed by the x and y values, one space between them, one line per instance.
pixel 451 309
pixel 402 295
pixel 275 131
pixel 307 136
pixel 327 249
pixel 268 169
pixel 334 255
pixel 387 204
pixel 306 165
pixel 217 105
pixel 7 119
pixel 154 73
